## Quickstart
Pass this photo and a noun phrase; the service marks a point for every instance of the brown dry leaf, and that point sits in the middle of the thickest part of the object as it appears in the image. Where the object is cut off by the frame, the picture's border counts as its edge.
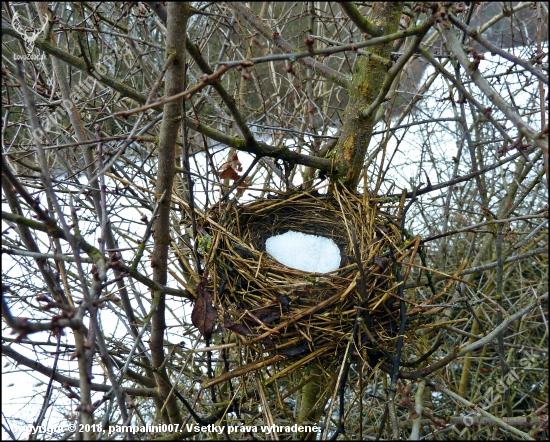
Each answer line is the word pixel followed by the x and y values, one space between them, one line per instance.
pixel 230 169
pixel 241 187
pixel 229 173
pixel 294 350
pixel 267 315
pixel 382 262
pixel 204 313
pixel 237 328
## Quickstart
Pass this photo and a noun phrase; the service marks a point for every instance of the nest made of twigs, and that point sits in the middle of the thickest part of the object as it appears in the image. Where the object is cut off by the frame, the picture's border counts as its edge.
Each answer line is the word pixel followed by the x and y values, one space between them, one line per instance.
pixel 290 312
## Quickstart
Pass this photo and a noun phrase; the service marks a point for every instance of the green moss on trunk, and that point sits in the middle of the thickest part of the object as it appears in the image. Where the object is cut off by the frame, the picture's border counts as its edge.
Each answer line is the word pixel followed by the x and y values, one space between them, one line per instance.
pixel 365 86
pixel 314 396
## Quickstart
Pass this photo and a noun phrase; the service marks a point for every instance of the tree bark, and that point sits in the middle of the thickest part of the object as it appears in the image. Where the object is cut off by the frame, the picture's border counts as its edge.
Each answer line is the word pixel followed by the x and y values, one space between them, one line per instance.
pixel 313 398
pixel 350 154
pixel 365 86
pixel 176 29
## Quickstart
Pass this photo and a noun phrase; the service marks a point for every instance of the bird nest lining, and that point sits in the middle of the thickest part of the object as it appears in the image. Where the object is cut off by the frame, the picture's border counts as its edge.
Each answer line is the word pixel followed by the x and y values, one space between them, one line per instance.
pixel 290 312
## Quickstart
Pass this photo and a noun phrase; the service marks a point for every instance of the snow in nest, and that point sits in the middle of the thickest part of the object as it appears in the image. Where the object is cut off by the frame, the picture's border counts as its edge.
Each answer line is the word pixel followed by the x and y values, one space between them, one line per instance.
pixel 310 253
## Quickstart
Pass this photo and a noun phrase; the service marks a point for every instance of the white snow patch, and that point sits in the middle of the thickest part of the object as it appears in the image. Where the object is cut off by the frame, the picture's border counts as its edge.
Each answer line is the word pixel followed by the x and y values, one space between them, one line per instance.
pixel 310 253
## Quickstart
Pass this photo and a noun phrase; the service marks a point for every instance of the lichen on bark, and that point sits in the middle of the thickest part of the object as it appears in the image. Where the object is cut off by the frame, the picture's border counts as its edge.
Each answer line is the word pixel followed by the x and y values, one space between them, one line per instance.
pixel 365 85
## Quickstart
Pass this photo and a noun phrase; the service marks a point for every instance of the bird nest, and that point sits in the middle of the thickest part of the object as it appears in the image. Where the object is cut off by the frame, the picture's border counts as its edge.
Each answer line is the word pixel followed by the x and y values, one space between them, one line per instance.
pixel 284 312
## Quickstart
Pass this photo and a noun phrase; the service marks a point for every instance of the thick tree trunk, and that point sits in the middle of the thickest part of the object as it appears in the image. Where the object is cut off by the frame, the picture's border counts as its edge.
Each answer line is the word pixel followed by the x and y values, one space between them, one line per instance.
pixel 365 86
pixel 350 155
pixel 176 29
pixel 313 398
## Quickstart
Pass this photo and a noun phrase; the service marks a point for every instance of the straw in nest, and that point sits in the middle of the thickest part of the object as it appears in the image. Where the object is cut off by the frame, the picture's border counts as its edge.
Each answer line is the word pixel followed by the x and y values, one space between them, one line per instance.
pixel 286 312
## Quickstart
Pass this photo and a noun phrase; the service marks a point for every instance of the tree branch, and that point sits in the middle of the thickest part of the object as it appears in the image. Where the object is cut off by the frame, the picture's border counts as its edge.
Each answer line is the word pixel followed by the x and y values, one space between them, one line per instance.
pixel 259 148
pixel 495 420
pixel 511 114
pixel 396 69
pixel 496 50
pixel 282 44
pixel 360 21
pixel 92 252
pixel 176 29
pixel 46 371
